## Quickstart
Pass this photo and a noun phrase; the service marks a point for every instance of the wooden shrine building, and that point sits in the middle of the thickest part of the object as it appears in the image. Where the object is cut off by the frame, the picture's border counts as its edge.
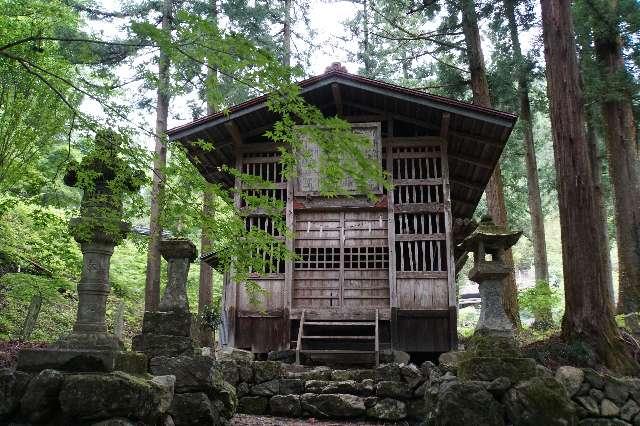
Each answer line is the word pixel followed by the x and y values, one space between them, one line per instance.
pixel 368 276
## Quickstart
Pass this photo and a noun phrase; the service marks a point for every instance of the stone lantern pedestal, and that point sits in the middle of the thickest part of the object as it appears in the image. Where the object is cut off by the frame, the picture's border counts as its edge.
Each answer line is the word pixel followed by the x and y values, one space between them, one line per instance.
pixel 492 351
pixel 168 331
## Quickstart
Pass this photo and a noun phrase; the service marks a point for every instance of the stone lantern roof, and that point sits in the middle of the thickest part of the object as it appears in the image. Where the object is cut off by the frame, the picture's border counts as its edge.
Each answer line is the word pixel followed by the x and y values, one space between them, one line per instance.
pixel 491 235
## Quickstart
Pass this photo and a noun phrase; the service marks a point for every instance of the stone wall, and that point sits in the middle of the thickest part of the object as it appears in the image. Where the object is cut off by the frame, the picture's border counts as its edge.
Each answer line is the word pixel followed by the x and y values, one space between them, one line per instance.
pixel 391 392
pixel 570 396
pixel 55 398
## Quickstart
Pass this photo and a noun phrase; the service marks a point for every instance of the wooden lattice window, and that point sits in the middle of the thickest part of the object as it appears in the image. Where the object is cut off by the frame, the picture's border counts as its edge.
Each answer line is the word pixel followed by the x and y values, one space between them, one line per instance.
pixel 421 162
pixel 421 256
pixel 261 222
pixel 265 165
pixel 419 223
pixel 317 258
pixel 419 194
pixel 366 258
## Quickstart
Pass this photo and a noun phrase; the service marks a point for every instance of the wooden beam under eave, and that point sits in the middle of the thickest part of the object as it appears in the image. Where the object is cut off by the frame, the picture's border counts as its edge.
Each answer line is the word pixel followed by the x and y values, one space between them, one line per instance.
pixel 234 131
pixel 470 160
pixel 337 98
pixel 444 125
pixel 466 184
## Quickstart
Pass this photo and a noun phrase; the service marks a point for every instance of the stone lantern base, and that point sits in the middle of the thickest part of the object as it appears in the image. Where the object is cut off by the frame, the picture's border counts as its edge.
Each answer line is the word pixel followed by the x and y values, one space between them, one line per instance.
pixel 489 356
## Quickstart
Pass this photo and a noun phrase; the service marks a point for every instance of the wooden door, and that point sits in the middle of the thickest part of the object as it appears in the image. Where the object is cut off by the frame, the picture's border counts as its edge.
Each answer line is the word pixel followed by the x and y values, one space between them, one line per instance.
pixel 343 260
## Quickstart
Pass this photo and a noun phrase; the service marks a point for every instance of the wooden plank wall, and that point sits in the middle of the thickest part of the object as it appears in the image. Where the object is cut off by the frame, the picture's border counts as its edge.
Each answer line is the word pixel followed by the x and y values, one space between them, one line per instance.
pixel 343 260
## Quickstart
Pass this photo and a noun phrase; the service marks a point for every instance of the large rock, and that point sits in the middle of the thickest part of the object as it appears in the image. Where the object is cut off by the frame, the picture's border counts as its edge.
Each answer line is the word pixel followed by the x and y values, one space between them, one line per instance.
pixel 234 355
pixel 388 409
pixel 118 421
pixel 357 375
pixel 467 403
pixel 412 375
pixel 155 345
pixel 332 405
pixel 540 401
pixel 40 400
pixel 393 390
pixel 388 373
pixel 193 373
pixel 490 368
pixel 416 408
pixel 9 393
pixel 225 394
pixel 270 388
pixel 323 386
pixel 193 409
pixel 230 371
pixel 291 386
pixel 263 371
pixel 285 405
pixel 253 405
pixel 571 378
pixel 615 389
pixel 102 396
pixel 170 323
pixel 297 372
pixel 449 361
pixel 245 371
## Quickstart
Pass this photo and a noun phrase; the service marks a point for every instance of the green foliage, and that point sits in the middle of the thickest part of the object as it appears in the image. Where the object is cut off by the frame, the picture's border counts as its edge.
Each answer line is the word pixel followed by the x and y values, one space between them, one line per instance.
pixel 540 298
pixel 211 316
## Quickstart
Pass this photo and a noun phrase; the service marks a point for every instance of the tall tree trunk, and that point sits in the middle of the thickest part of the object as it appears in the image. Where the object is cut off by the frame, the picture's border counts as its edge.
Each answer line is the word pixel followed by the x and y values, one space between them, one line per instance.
pixel 366 58
pixel 588 311
pixel 543 318
pixel 287 34
pixel 622 149
pixel 596 166
pixel 152 285
pixel 205 283
pixel 495 190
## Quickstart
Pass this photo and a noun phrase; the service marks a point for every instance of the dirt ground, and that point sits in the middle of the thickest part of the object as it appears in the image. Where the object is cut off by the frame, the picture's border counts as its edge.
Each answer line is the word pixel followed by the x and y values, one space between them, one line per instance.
pixel 247 420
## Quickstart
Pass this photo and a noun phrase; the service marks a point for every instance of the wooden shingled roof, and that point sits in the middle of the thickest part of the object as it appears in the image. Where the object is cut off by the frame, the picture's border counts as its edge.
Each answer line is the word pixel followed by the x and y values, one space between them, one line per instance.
pixel 476 135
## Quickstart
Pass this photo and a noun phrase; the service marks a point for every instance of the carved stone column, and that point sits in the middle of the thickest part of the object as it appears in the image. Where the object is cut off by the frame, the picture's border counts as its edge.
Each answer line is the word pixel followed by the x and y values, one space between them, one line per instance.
pixel 167 332
pixel 179 254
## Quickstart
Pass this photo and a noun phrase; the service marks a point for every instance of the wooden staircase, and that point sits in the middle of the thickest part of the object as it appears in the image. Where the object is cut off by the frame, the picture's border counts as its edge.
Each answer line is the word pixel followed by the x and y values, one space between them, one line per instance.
pixel 339 342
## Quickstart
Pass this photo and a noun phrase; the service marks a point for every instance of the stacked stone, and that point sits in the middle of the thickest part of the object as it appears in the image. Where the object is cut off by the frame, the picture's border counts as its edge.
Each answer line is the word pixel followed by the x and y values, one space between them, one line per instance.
pixel 168 331
pixel 53 398
pixel 391 392
pixel 601 398
pixel 201 394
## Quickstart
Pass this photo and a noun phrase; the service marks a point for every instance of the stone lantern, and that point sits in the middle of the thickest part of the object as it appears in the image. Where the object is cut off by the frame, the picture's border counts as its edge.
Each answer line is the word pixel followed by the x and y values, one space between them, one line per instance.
pixel 492 351
pixel 488 243
pixel 104 179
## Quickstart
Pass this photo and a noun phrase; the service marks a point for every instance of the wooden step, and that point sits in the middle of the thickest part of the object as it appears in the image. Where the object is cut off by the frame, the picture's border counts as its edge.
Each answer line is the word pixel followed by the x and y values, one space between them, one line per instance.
pixel 339 323
pixel 340 337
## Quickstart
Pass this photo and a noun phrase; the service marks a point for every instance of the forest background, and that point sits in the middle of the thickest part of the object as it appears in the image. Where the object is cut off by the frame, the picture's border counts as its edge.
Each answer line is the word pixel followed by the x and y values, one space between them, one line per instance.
pixel 103 66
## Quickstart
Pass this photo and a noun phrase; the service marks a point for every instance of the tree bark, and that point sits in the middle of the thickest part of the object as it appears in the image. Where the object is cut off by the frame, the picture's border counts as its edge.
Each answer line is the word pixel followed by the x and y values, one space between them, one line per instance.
pixel 152 285
pixel 543 318
pixel 596 166
pixel 622 149
pixel 494 191
pixel 205 283
pixel 588 312
pixel 286 58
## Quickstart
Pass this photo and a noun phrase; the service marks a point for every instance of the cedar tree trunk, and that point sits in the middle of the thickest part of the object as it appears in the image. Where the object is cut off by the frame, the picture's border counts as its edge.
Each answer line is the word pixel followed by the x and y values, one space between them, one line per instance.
pixel 543 318
pixel 152 285
pixel 588 312
pixel 495 190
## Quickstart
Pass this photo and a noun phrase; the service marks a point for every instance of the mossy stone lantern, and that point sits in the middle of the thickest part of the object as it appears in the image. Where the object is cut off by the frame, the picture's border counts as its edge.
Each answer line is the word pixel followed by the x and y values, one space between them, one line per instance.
pixel 488 243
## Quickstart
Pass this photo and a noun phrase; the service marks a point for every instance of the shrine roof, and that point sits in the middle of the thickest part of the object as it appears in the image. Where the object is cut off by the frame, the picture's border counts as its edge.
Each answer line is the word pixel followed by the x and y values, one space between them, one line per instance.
pixel 475 135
